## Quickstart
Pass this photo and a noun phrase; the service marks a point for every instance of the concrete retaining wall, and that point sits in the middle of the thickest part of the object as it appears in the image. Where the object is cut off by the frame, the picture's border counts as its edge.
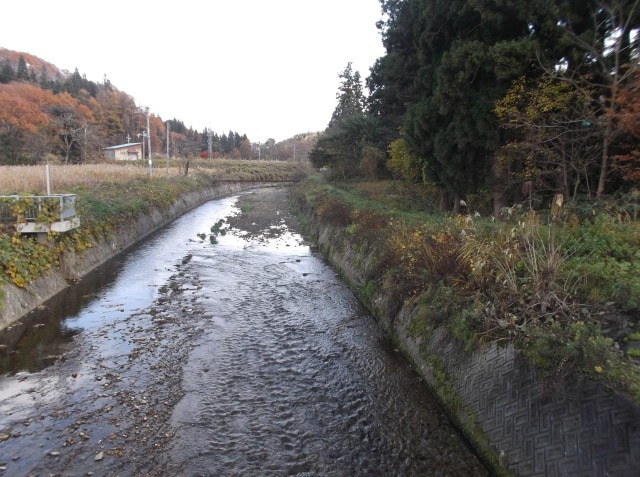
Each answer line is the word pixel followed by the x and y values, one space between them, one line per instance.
pixel 19 301
pixel 517 423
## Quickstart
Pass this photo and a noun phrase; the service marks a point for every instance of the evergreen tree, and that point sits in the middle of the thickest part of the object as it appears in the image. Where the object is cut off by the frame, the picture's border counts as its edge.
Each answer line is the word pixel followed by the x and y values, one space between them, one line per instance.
pixel 22 73
pixel 43 80
pixel 447 63
pixel 73 83
pixel 350 130
pixel 392 78
pixel 177 126
pixel 7 74
pixel 350 97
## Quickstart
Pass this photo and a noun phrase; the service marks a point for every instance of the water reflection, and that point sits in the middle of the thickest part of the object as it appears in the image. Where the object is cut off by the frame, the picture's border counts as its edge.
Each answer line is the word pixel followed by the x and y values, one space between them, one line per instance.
pixel 41 336
pixel 119 287
pixel 244 357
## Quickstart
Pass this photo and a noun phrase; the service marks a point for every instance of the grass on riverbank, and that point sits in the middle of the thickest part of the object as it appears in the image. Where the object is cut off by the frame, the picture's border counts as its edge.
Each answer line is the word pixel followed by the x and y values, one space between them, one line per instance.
pixel 563 287
pixel 109 195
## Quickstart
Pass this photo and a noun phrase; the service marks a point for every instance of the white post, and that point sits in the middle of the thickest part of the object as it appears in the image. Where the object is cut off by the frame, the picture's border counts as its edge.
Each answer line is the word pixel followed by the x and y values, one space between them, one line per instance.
pixel 149 143
pixel 46 169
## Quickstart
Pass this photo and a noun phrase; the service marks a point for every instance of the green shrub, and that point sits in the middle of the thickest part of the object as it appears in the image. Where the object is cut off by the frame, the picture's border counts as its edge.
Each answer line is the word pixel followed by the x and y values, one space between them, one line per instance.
pixel 539 280
pixel 607 262
pixel 559 351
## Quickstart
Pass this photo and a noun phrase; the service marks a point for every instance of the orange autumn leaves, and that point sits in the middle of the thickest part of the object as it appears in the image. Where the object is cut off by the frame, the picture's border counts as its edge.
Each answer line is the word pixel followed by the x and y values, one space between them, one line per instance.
pixel 626 116
pixel 24 107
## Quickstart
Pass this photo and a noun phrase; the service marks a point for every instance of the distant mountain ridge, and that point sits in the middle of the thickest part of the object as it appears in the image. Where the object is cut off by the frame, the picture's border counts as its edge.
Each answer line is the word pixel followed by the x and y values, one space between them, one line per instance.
pixel 48 111
pixel 33 62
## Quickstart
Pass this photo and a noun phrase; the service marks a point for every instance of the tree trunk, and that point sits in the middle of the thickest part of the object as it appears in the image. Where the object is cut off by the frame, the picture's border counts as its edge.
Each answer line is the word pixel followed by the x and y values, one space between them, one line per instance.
pixel 456 203
pixel 499 202
pixel 604 162
pixel 444 200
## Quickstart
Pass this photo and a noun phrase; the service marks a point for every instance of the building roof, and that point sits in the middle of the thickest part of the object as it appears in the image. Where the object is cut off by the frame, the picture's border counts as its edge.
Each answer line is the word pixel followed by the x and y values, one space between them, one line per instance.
pixel 122 146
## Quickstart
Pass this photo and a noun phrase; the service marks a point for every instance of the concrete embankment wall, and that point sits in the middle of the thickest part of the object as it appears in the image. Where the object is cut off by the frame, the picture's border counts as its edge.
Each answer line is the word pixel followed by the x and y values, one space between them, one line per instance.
pixel 519 424
pixel 19 301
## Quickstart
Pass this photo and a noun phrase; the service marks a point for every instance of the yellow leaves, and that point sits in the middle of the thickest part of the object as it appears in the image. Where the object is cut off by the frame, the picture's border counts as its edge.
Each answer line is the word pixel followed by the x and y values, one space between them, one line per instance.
pixel 525 104
pixel 402 162
pixel 23 259
pixel 508 106
pixel 443 238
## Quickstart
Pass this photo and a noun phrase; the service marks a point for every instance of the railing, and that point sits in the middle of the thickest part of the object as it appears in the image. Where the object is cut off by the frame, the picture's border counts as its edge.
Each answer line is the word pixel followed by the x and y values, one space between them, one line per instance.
pixel 39 213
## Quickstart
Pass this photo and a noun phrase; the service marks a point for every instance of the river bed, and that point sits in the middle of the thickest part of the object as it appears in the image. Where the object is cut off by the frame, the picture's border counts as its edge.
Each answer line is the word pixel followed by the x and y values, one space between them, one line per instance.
pixel 223 345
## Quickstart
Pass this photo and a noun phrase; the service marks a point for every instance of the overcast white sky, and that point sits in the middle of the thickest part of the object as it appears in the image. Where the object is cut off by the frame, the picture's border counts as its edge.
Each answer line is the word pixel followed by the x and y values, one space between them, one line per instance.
pixel 267 68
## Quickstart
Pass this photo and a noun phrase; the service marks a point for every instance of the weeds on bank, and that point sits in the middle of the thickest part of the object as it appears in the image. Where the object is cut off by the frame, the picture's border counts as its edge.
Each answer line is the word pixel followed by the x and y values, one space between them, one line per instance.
pixel 552 283
pixel 101 208
pixel 253 170
pixel 108 196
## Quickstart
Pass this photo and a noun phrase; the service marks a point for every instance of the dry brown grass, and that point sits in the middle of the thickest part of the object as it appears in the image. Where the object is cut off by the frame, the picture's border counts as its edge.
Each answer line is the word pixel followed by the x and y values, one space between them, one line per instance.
pixel 32 179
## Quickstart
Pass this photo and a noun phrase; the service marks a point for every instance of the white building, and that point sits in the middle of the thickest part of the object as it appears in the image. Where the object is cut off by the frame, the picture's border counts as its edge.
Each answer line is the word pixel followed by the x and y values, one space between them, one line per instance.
pixel 124 152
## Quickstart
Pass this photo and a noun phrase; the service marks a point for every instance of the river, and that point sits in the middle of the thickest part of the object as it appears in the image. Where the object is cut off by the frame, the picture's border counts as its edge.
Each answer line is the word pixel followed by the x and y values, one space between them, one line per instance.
pixel 211 349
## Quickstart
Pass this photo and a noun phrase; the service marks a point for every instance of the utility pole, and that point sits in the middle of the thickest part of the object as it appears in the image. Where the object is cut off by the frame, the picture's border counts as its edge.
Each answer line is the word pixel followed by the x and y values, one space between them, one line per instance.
pixel 149 141
pixel 84 149
pixel 142 136
pixel 168 137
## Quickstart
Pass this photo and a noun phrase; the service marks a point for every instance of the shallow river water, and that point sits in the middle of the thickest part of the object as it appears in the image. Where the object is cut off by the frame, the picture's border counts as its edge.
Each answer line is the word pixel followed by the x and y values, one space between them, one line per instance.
pixel 245 357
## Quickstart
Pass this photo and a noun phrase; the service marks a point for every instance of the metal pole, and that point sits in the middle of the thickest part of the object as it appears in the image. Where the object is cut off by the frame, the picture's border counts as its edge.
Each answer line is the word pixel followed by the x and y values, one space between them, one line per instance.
pixel 149 143
pixel 46 168
pixel 168 126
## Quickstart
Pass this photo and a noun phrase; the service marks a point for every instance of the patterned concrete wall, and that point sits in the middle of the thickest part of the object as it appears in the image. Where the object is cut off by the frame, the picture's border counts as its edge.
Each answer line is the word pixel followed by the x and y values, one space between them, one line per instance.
pixel 577 428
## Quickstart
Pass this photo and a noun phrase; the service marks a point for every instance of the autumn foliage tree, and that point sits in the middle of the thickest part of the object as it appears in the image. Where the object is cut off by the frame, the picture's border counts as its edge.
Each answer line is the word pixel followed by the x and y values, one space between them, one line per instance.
pixel 625 114
pixel 71 122
pixel 602 47
pixel 21 117
pixel 554 137
pixel 44 111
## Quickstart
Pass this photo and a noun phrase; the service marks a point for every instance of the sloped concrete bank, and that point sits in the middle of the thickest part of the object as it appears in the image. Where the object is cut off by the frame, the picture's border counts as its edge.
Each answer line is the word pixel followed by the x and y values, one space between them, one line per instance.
pixel 20 301
pixel 518 424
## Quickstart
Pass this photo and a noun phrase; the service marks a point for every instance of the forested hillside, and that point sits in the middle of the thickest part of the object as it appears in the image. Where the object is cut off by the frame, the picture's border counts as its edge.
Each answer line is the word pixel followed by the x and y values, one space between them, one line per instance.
pixel 495 102
pixel 48 114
